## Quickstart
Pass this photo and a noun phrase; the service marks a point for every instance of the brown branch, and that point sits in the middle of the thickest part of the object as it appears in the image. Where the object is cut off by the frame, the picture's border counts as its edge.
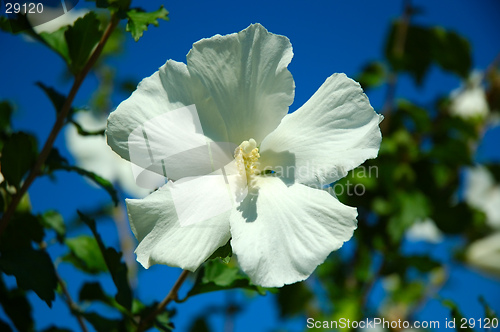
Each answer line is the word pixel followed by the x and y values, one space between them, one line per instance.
pixel 75 310
pixel 60 121
pixel 172 295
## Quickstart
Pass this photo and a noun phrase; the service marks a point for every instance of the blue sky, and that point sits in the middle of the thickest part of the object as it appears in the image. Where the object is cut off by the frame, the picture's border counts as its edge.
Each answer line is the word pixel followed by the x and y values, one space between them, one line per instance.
pixel 327 36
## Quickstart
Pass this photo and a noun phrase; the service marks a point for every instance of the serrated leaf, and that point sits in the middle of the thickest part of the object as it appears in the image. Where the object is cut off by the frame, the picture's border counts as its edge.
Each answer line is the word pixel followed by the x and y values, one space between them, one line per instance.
pixel 116 267
pixel 56 41
pixel 19 154
pixel 138 20
pixel 81 39
pixel 85 254
pixel 33 270
pixel 216 275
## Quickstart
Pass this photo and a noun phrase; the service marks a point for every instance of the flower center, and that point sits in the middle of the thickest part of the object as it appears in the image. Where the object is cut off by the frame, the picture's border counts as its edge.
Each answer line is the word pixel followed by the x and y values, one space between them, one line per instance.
pixel 247 159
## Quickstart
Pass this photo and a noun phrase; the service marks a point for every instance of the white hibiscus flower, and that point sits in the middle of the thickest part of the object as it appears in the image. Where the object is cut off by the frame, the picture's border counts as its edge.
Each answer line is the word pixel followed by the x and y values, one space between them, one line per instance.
pixel 483 193
pixel 424 230
pixel 469 100
pixel 281 226
pixel 93 154
pixel 484 254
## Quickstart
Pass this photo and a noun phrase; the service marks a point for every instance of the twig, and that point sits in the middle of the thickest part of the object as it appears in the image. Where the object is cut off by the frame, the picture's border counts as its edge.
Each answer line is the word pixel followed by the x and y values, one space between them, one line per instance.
pixel 172 295
pixel 398 51
pixel 60 121
pixel 71 304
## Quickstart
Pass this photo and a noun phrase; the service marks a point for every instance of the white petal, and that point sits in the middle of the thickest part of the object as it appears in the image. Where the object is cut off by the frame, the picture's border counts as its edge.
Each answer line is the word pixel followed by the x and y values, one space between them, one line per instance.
pixel 333 132
pixel 470 99
pixel 425 230
pixel 163 240
pixel 246 75
pixel 482 192
pixel 485 253
pixel 281 234
pixel 169 89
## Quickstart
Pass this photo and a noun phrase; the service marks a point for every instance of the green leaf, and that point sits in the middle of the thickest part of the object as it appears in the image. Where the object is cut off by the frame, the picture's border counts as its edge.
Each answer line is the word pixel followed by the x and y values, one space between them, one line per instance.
pixel 3 325
pixel 455 313
pixel 92 291
pixel 162 321
pixel 19 154
pixel 16 307
pixel 84 132
pixel 400 264
pixel 116 267
pixel 56 162
pixel 85 254
pixel 372 75
pixel 488 311
pixel 56 41
pixel 82 38
pixel 200 325
pixel 103 324
pixel 33 270
pixel 293 299
pixel 224 253
pixel 15 25
pixel 112 4
pixel 418 115
pixel 56 329
pixel 425 46
pixel 416 57
pixel 138 20
pixel 55 97
pixel 23 229
pixel 411 206
pixel 451 52
pixel 6 111
pixel 216 275
pixel 53 220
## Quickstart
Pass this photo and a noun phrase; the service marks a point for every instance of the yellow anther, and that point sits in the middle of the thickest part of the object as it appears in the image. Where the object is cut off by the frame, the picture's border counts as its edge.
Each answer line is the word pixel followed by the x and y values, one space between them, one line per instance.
pixel 247 158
